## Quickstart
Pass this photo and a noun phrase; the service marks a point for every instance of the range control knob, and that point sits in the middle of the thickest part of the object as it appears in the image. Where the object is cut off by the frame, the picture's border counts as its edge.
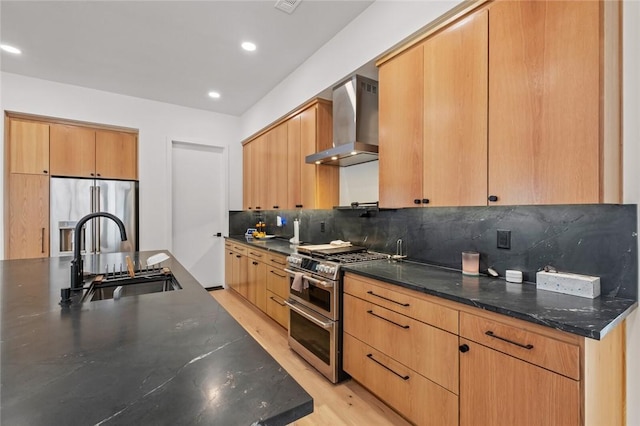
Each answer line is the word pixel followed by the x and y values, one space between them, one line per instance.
pixel 332 270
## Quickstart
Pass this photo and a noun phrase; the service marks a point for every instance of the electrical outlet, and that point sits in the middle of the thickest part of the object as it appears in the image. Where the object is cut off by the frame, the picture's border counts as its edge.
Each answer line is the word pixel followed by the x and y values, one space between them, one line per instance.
pixel 504 239
pixel 321 226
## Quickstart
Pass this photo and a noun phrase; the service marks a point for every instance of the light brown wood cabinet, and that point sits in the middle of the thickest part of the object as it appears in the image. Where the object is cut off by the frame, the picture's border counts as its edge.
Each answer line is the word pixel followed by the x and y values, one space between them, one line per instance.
pixel 510 371
pixel 28 216
pixel 116 155
pixel 275 174
pixel 514 103
pixel 86 152
pixel 28 147
pixel 411 365
pixel 277 289
pixel 258 275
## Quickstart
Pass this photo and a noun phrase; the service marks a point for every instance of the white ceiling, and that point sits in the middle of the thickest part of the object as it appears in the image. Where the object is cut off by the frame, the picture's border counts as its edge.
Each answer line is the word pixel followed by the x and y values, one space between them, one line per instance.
pixel 169 51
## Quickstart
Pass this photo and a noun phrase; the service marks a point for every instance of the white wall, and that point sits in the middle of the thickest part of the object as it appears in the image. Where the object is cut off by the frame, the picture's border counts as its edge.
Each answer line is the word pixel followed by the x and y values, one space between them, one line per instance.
pixel 631 149
pixel 157 123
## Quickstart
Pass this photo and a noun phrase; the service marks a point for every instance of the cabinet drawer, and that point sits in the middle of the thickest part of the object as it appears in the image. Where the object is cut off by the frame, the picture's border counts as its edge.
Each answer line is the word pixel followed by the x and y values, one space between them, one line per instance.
pixel 277 310
pixel 406 302
pixel 257 254
pixel 278 261
pixel 416 398
pixel 546 352
pixel 428 350
pixel 278 281
pixel 240 249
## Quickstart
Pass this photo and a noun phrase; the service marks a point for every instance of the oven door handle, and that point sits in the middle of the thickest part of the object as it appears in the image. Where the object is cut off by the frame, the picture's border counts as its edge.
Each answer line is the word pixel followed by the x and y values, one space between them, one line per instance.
pixel 311 279
pixel 313 319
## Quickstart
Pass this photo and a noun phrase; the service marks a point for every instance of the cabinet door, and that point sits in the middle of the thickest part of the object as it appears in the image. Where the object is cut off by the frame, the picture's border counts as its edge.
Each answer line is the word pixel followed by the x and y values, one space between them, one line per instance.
pixel 277 160
pixel 116 155
pixel 500 390
pixel 401 129
pixel 72 151
pixel 228 267
pixel 294 164
pixel 239 272
pixel 28 147
pixel 247 177
pixel 256 289
pixel 277 309
pixel 455 114
pixel 28 216
pixel 308 181
pixel 544 117
pixel 259 173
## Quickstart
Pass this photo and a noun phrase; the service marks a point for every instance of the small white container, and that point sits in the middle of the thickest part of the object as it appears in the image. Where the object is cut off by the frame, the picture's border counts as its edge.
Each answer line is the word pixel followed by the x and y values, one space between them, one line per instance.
pixel 513 276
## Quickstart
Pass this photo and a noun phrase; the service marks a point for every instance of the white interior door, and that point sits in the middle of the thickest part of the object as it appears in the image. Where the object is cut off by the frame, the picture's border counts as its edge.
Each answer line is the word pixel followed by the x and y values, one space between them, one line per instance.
pixel 198 210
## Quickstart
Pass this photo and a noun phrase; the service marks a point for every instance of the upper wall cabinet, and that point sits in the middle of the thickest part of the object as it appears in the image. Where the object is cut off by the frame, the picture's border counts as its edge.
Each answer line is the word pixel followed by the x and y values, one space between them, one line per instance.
pixel 116 155
pixel 433 120
pixel 28 147
pixel 275 174
pixel 85 152
pixel 550 121
pixel 515 103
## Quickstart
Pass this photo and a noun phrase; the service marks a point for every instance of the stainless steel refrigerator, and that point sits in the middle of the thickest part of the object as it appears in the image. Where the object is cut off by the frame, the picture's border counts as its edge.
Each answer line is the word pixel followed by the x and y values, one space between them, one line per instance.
pixel 72 198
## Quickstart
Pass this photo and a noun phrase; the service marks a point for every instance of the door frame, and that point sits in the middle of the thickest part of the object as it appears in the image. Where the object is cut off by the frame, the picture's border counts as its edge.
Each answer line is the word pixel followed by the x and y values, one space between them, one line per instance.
pixel 201 144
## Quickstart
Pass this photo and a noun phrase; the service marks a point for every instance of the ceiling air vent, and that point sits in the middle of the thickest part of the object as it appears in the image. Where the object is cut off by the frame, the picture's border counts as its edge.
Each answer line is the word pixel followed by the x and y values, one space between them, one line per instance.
pixel 287 6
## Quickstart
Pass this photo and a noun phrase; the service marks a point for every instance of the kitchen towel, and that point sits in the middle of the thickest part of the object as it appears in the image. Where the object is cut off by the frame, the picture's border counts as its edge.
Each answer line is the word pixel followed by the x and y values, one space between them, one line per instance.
pixel 297 282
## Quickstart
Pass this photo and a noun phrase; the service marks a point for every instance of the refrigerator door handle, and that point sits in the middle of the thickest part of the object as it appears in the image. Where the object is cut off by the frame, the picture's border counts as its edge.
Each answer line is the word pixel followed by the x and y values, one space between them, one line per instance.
pixel 97 220
pixel 92 190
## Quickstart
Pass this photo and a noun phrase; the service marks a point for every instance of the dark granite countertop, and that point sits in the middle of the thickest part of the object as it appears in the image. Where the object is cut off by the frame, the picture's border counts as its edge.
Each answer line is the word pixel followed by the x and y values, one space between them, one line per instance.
pixel 592 318
pixel 278 245
pixel 164 358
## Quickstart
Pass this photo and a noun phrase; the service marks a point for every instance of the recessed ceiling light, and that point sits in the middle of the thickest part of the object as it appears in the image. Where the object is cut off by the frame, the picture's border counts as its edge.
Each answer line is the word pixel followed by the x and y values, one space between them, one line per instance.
pixel 248 46
pixel 10 49
pixel 214 95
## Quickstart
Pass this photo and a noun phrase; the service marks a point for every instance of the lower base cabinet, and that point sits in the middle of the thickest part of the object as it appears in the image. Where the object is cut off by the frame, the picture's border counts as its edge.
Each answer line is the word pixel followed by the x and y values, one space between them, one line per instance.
pixel 500 390
pixel 258 276
pixel 418 399
pixel 511 372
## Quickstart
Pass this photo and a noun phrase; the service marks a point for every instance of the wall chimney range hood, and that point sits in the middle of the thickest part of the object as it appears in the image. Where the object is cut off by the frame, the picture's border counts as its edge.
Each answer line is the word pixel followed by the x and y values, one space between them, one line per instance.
pixel 355 124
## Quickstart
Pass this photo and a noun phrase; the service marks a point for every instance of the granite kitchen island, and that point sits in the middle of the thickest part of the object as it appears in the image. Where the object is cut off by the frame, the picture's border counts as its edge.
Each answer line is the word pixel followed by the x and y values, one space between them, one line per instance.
pixel 174 357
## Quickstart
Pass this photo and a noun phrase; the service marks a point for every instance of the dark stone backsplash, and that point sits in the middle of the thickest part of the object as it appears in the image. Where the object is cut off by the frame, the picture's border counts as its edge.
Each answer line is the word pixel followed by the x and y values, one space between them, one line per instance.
pixel 598 240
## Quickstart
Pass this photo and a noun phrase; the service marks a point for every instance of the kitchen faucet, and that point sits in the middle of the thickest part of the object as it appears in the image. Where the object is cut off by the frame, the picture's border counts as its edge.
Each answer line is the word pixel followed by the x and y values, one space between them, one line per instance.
pixel 76 263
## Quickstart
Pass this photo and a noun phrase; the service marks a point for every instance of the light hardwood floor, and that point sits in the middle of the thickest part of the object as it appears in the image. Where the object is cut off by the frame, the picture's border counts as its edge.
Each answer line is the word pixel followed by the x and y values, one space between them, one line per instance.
pixel 346 403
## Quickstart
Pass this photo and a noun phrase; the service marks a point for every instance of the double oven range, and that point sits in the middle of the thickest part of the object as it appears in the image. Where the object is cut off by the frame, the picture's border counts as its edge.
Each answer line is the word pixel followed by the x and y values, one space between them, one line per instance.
pixel 315 304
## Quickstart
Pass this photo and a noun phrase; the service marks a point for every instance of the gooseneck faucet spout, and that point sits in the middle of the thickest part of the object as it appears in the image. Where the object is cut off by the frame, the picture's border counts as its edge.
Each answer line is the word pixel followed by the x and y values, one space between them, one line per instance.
pixel 76 263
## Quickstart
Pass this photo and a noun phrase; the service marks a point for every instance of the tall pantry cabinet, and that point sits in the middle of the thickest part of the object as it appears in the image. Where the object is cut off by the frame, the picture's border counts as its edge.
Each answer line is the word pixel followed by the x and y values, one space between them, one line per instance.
pixel 27 190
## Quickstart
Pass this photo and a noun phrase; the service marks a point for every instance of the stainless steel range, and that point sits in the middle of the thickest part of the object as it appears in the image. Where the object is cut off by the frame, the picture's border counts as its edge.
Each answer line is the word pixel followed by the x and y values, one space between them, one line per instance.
pixel 315 307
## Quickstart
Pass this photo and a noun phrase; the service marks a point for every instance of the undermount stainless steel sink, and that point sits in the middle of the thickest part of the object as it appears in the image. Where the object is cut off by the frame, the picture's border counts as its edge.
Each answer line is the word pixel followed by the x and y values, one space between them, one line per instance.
pixel 130 286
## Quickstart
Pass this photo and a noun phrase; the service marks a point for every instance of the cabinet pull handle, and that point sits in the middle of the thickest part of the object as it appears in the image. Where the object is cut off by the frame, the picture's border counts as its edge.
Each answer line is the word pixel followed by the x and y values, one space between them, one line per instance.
pixel 258 208
pixel 298 206
pixel 254 262
pixel 490 334
pixel 370 356
pixel 417 201
pixel 386 298
pixel 274 299
pixel 42 240
pixel 278 262
pixel 92 174
pixel 464 348
pixel 45 171
pixel 493 198
pixel 275 273
pixel 238 256
pixel 255 254
pixel 276 207
pixel 388 320
pixel 425 201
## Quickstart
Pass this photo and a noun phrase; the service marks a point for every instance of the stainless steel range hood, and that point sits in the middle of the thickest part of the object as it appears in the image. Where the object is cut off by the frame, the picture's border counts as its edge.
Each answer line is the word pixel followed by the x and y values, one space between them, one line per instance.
pixel 355 124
